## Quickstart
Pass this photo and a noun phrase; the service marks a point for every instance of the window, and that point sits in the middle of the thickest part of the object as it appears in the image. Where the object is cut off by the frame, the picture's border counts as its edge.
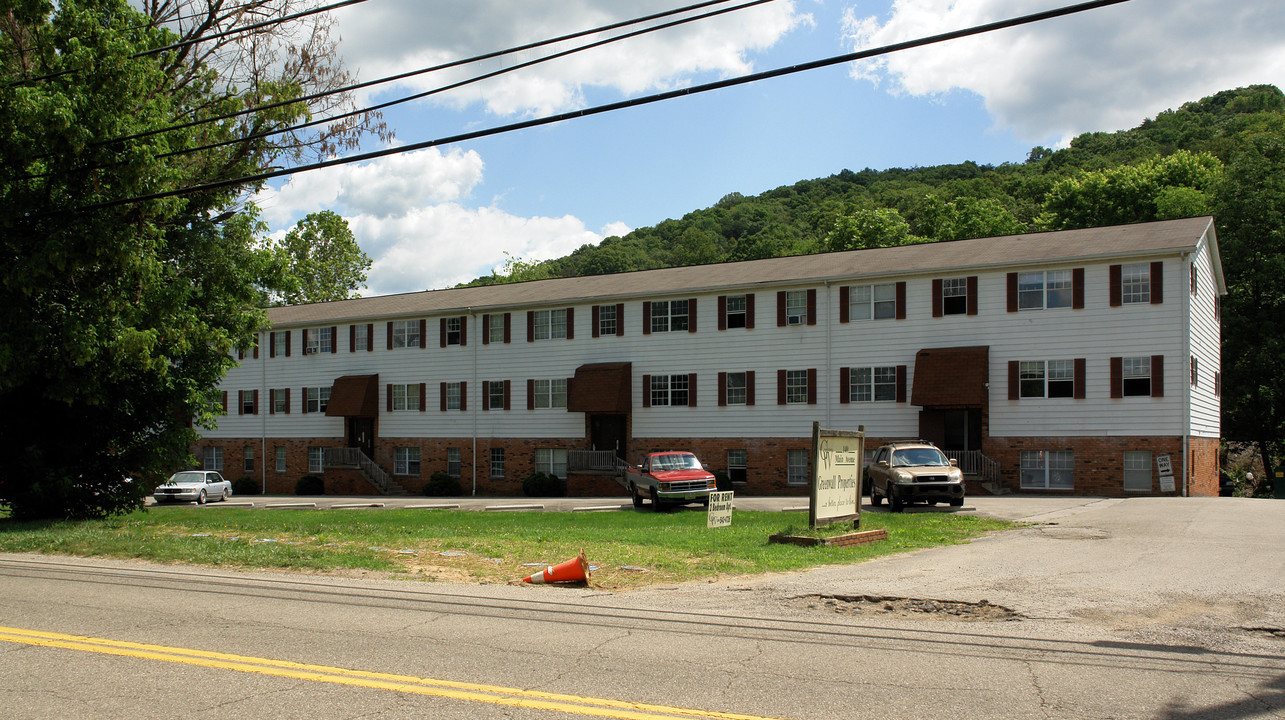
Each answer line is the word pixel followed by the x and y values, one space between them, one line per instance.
pixel 453 395
pixel 607 320
pixel 796 307
pixel 550 324
pixel 669 316
pixel 406 397
pixel 280 343
pixel 497 462
pixel 406 461
pixel 453 462
pixel 1135 283
pixel 735 311
pixel 405 333
pixel 873 384
pixel 669 390
pixel 495 327
pixel 318 399
pixel 213 459
pixel 548 394
pixel 796 462
pixel 1137 377
pixel 316 460
pixel 281 459
pixel 954 296
pixel 248 454
pixel 360 337
pixel 873 302
pixel 454 331
pixel 551 461
pixel 247 400
pixel 1048 469
pixel 1047 378
pixel 1137 470
pixel 319 341
pixel 736 460
pixel 796 386
pixel 1040 290
pixel 736 389
pixel 280 400
pixel 495 395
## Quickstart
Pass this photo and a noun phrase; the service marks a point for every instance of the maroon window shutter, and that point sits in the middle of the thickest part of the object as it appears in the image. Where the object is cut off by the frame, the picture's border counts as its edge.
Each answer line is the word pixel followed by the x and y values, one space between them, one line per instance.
pixel 646 317
pixel 1117 291
pixel 620 319
pixel 593 321
pixel 722 389
pixel 352 338
pixel 972 294
pixel 780 308
pixel 1117 377
pixel 845 385
pixel 441 396
pixel 1014 380
pixel 390 335
pixel 423 333
pixel 486 395
pixel 722 312
pixel 287 391
pixel 1077 289
pixel 1080 372
pixel 937 297
pixel 901 383
pixel 812 386
pixel 901 300
pixel 749 387
pixel 240 406
pixel 691 389
pixel 780 387
pixel 240 354
pixel 256 342
pixel 1158 374
pixel 486 329
pixel 463 330
pixel 812 306
pixel 224 401
pixel 272 406
pixel 571 323
pixel 287 343
pixel 530 394
pixel 845 299
pixel 423 397
pixel 530 326
pixel 646 389
pixel 303 340
pixel 508 328
pixel 1012 292
pixel 272 344
pixel 334 339
pixel 508 392
pixel 303 399
pixel 464 396
pixel 1157 284
pixel 749 311
pixel 1194 293
pixel 388 404
pixel 691 315
pixel 441 339
pixel 255 400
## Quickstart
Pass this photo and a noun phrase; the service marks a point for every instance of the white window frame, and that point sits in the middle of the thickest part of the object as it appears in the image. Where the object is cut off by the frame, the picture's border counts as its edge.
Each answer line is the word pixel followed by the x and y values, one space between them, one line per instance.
pixel 318 399
pixel 1048 470
pixel 495 396
pixel 279 343
pixel 1044 290
pixel 796 387
pixel 281 459
pixel 669 390
pixel 454 394
pixel 1137 471
pixel 877 383
pixel 796 467
pixel 796 307
pixel 361 338
pixel 246 399
pixel 497 463
pixel 872 302
pixel 550 394
pixel 454 461
pixel 737 460
pixel 607 320
pixel 552 461
pixel 550 324
pixel 454 331
pixel 952 288
pixel 1135 283
pixel 670 316
pixel 405 334
pixel 737 389
pixel 736 312
pixel 316 460
pixel 247 455
pixel 1135 370
pixel 319 341
pixel 1046 379
pixel 212 459
pixel 495 328
pixel 279 401
pixel 406 461
pixel 406 396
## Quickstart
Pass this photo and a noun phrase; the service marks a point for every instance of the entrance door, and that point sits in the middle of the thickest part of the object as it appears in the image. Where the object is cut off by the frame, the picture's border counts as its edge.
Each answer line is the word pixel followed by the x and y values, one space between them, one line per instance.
pixel 607 432
pixel 361 434
pixel 952 429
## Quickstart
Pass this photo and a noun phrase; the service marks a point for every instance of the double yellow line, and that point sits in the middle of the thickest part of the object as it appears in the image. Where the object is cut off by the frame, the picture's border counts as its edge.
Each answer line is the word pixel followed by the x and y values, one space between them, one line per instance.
pixel 472 692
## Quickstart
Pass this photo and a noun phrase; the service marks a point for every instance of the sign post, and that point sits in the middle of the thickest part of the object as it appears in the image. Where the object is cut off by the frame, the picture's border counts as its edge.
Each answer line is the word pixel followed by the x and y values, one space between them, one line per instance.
pixel 837 456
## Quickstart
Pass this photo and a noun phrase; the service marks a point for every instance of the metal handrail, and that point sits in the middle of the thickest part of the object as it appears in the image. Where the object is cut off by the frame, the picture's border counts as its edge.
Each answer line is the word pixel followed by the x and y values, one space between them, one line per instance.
pixel 973 462
pixel 349 457
pixel 582 460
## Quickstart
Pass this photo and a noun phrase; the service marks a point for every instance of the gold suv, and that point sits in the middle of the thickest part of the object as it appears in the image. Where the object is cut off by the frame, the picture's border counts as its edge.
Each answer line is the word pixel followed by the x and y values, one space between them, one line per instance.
pixel 906 472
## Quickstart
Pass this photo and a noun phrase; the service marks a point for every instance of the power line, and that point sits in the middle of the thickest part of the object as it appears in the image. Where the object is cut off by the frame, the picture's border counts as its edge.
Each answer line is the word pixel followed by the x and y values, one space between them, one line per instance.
pixel 635 102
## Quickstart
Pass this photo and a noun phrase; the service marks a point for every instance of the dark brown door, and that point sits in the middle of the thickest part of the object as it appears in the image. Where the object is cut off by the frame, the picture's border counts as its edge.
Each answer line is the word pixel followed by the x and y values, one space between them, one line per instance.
pixel 361 434
pixel 607 432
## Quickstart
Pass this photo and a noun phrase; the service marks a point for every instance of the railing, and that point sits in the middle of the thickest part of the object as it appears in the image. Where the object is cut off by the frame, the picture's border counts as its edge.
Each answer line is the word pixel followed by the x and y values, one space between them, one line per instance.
pixel 347 457
pixel 591 460
pixel 973 462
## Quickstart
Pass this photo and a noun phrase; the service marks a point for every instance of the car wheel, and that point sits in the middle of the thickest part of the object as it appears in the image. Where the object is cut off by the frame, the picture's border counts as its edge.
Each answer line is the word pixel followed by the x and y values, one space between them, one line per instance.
pixel 957 502
pixel 875 498
pixel 227 494
pixel 200 499
pixel 635 495
pixel 655 501
pixel 894 502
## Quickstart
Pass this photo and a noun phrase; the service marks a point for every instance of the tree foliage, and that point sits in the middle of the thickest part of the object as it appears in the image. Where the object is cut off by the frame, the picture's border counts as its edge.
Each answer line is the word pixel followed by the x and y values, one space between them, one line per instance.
pixel 323 260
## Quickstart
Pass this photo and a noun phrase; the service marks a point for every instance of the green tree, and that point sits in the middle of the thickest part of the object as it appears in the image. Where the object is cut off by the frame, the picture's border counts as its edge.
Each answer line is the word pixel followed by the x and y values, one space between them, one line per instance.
pixel 869 228
pixel 121 315
pixel 323 260
pixel 1160 188
pixel 967 217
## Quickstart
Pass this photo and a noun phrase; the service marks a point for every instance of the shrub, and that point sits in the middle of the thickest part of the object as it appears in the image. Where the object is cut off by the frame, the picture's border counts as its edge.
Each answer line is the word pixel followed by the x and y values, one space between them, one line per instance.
pixel 723 480
pixel 441 484
pixel 539 484
pixel 245 485
pixel 310 485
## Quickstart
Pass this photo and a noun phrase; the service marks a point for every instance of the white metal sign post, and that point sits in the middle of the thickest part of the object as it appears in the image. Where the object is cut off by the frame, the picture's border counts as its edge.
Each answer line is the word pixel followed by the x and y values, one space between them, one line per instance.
pixel 837 456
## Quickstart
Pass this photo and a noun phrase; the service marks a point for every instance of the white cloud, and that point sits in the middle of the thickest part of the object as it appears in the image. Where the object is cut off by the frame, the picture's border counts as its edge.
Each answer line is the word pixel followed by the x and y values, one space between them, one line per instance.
pixel 1098 70
pixel 395 36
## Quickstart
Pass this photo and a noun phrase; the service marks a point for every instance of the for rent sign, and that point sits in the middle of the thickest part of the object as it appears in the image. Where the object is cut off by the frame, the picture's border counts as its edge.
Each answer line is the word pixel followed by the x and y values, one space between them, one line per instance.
pixel 837 457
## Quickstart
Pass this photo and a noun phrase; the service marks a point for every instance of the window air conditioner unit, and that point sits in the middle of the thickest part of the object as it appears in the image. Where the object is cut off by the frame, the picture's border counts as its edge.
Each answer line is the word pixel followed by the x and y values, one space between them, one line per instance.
pixel 310 351
pixel 794 320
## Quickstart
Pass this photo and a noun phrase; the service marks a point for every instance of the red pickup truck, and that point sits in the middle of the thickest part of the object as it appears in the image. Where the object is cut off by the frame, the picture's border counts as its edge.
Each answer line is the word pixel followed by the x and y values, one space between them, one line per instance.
pixel 670 477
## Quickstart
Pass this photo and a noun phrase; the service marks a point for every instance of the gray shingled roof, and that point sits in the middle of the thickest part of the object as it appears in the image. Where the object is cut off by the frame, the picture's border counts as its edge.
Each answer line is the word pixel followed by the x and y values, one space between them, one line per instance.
pixel 1010 250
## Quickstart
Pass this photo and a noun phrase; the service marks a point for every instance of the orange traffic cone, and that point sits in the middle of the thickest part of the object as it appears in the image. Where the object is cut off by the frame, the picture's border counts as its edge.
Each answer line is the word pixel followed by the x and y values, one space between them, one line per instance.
pixel 574 570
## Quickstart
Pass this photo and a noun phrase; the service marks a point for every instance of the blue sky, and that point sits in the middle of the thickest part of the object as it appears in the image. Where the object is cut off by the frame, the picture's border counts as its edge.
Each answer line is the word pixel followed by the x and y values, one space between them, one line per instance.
pixel 433 218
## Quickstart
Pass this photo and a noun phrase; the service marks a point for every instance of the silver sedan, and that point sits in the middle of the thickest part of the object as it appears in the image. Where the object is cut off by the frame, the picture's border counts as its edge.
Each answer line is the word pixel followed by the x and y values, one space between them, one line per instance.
pixel 190 485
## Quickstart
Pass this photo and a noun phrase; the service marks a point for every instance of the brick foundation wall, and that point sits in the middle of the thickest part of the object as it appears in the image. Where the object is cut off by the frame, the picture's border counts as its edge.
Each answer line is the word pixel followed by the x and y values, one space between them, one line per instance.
pixel 1099 463
pixel 1204 463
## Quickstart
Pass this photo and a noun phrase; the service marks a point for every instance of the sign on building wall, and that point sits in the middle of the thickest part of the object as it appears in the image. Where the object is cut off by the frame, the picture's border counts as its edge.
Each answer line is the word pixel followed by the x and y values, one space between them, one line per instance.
pixel 720 509
pixel 1165 468
pixel 836 475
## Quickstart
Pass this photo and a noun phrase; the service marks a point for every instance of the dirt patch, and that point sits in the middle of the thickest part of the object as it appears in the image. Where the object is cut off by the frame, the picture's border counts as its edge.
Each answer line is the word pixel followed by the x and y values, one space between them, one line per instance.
pixel 981 611
pixel 1055 532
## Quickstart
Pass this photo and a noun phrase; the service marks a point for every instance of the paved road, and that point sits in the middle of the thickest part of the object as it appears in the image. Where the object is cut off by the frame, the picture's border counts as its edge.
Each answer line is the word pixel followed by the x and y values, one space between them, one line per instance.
pixel 1139 608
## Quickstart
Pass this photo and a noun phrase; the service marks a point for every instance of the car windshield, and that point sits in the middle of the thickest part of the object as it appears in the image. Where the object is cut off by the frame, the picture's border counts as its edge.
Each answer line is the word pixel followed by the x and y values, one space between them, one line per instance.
pixel 677 461
pixel 912 457
pixel 188 477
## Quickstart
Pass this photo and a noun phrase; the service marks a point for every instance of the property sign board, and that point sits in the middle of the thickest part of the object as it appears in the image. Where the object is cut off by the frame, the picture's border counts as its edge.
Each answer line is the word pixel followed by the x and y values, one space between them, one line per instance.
pixel 720 509
pixel 837 457
pixel 1165 468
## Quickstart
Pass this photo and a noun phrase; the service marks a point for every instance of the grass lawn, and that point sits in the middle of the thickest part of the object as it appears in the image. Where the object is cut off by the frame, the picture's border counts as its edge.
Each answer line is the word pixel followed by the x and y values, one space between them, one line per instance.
pixel 627 549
